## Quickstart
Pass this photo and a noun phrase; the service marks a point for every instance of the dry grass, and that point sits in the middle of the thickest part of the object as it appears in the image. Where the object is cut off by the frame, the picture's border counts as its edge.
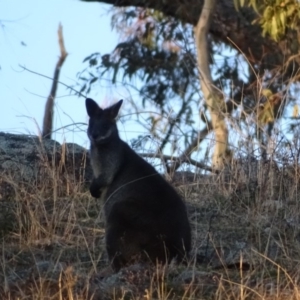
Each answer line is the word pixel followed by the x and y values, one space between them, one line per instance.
pixel 246 242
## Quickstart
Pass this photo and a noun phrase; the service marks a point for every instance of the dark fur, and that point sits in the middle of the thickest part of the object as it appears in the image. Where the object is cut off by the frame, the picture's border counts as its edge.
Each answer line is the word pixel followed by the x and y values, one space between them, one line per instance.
pixel 145 217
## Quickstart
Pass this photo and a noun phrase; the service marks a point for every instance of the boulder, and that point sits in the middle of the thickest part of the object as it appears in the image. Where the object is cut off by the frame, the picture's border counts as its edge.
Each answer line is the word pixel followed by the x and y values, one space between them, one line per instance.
pixel 27 159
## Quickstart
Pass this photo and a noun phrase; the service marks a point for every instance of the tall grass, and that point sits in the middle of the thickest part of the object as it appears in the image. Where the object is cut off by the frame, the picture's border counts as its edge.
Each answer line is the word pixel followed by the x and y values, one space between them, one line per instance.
pixel 246 230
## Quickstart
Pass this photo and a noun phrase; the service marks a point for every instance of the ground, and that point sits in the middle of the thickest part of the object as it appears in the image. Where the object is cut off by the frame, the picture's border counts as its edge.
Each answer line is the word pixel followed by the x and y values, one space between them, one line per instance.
pixel 245 240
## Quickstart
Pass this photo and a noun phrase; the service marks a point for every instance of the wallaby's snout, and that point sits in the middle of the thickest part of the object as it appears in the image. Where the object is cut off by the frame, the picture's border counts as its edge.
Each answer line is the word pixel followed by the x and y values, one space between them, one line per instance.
pixel 98 131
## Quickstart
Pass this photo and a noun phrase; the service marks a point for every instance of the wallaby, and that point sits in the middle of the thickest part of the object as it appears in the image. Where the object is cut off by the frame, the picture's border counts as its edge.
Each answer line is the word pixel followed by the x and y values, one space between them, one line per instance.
pixel 145 217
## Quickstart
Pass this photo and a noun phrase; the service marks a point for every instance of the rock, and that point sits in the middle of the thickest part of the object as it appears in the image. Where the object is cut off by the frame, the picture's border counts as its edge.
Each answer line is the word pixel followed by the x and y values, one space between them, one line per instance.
pixel 30 165
pixel 28 159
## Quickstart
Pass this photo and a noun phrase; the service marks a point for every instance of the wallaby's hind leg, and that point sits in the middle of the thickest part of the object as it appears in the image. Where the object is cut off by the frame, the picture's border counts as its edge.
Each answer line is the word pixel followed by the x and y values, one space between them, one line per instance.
pixel 115 256
pixel 135 233
pixel 126 233
pixel 122 248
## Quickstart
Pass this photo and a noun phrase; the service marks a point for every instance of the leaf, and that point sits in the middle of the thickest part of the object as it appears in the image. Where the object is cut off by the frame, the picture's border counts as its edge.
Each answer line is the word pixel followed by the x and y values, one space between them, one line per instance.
pixel 255 7
pixel 274 28
pixel 291 9
pixel 116 69
pixel 268 13
pixel 90 56
pixel 282 18
pixel 267 93
pixel 295 111
pixel 87 58
pixel 93 62
pixel 236 4
pixel 82 88
pixel 93 80
pixel 266 115
pixel 266 28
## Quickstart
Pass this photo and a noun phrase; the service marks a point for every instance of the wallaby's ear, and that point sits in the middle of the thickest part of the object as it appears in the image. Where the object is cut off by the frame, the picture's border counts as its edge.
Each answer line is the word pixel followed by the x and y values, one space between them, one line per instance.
pixel 92 107
pixel 112 111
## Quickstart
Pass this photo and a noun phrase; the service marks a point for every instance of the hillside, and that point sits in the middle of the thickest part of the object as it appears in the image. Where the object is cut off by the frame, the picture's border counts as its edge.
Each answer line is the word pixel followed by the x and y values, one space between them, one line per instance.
pixel 245 224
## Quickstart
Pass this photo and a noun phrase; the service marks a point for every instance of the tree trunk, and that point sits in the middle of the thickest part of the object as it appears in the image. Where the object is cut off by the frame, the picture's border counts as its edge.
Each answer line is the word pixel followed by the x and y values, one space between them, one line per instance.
pixel 213 98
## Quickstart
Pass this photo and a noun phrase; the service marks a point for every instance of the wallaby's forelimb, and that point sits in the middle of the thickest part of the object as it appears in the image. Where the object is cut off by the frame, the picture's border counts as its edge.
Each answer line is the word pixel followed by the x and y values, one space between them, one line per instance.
pixel 98 185
pixel 104 170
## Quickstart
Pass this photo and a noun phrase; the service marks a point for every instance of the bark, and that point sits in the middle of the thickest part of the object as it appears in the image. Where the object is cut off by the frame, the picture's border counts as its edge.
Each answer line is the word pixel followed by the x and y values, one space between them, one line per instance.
pixel 48 114
pixel 231 27
pixel 213 98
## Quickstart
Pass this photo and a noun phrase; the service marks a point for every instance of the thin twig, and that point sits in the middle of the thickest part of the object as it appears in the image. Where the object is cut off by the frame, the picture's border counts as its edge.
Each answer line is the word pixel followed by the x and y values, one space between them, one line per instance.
pixel 186 155
pixel 183 158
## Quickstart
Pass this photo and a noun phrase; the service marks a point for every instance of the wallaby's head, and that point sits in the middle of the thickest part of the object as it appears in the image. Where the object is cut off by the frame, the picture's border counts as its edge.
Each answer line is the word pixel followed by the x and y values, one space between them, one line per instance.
pixel 102 124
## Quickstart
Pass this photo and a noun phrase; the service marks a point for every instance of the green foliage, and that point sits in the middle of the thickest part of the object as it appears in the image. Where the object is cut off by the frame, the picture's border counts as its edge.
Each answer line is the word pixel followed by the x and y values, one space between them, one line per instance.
pixel 163 61
pixel 266 112
pixel 275 16
pixel 159 53
pixel 156 57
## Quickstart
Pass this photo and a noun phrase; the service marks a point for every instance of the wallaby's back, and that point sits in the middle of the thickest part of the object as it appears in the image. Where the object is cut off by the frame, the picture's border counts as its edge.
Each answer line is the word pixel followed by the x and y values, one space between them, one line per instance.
pixel 145 217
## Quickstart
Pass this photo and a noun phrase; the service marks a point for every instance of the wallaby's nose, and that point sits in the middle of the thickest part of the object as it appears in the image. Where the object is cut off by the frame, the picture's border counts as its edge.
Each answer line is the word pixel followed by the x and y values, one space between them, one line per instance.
pixel 92 135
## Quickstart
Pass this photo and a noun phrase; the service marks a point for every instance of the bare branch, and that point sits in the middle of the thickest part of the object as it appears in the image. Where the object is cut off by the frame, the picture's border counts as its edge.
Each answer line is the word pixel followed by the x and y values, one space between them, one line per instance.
pixel 178 159
pixel 48 77
pixel 185 157
pixel 48 114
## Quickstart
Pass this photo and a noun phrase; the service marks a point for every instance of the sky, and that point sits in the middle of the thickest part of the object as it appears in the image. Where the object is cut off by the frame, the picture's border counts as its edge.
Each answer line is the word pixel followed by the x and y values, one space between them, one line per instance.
pixel 28 38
